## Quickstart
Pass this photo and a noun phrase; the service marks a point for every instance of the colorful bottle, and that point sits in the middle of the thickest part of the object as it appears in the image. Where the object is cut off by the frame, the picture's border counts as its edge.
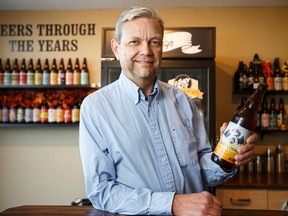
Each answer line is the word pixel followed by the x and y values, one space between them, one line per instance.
pixel 1 73
pixel 23 73
pixel 7 79
pixel 273 115
pixel 277 75
pixel 46 73
pixel 54 73
pixel 30 73
pixel 69 73
pixel 84 73
pixel 77 73
pixel 61 73
pixel 15 73
pixel 38 73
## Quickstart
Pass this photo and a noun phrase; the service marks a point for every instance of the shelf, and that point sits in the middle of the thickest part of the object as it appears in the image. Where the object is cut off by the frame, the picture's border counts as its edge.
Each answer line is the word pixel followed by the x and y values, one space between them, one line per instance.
pixel 248 92
pixel 19 87
pixel 262 132
pixel 7 125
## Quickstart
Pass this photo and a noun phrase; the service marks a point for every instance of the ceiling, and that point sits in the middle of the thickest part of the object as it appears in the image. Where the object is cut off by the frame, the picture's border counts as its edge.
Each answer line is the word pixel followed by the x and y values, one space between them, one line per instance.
pixel 121 4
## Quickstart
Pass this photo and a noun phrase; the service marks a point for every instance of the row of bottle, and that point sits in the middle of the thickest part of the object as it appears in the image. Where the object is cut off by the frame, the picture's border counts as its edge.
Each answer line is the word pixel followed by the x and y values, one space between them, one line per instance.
pixel 40 114
pixel 270 162
pixel 261 71
pixel 46 76
pixel 271 117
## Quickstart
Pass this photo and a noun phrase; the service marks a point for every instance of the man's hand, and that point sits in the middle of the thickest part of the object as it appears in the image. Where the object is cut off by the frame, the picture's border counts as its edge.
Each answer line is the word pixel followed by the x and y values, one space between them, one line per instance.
pixel 196 204
pixel 246 151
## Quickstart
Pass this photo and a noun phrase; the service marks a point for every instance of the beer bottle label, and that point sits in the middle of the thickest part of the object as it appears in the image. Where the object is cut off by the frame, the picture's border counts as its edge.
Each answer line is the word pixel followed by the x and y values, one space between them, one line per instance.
pixel 232 138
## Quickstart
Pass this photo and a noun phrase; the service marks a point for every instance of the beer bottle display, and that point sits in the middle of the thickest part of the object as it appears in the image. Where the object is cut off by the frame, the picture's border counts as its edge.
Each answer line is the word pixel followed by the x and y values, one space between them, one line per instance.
pixel 281 115
pixel 238 130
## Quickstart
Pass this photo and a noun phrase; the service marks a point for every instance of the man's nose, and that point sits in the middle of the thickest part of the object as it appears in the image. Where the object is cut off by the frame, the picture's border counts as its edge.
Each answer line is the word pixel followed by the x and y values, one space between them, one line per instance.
pixel 145 48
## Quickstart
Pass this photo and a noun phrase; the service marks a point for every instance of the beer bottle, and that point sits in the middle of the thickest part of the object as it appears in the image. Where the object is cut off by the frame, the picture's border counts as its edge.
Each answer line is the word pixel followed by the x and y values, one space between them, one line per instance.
pixel 61 73
pixel 69 73
pixel 265 114
pixel 250 76
pixel 268 75
pixel 281 115
pixel 238 77
pixel 242 103
pixel 46 73
pixel 238 130
pixel 15 73
pixel 7 79
pixel 54 73
pixel 272 115
pixel 23 73
pixel 277 75
pixel 31 73
pixel 84 73
pixel 76 75
pixel 38 73
pixel 1 73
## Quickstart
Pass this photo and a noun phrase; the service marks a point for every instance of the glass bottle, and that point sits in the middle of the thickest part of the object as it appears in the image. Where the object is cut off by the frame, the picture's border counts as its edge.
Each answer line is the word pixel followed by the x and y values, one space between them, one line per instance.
pixel 31 73
pixel 20 114
pixel 28 114
pixel 277 75
pixel 44 112
pixel 265 115
pixel 84 77
pixel 242 103
pixel 61 73
pixel 36 113
pixel 68 114
pixel 5 114
pixel 238 130
pixel 268 75
pixel 23 73
pixel 250 76
pixel 15 73
pixel 12 114
pixel 59 113
pixel 281 115
pixel 1 73
pixel 76 74
pixel 69 73
pixel 75 113
pixel 38 73
pixel 52 114
pixel 46 73
pixel 1 111
pixel 272 115
pixel 54 73
pixel 7 79
pixel 285 81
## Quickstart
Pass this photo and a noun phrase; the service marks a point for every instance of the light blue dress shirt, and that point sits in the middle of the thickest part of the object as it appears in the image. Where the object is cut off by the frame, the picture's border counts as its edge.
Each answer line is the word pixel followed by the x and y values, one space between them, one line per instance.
pixel 136 153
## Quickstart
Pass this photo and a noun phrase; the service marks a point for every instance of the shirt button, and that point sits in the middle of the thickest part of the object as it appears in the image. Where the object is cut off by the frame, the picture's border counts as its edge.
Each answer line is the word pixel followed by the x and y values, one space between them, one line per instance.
pixel 156 132
pixel 163 159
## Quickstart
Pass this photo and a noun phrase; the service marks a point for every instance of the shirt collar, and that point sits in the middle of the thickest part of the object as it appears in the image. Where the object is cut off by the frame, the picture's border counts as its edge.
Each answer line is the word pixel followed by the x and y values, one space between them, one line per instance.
pixel 133 91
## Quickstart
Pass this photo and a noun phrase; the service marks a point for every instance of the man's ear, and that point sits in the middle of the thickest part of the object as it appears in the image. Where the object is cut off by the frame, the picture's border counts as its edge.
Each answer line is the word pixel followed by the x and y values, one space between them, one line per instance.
pixel 115 46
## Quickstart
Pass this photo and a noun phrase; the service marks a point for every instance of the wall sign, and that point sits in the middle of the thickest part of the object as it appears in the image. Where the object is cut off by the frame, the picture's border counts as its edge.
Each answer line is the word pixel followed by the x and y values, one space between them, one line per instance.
pixel 192 42
pixel 49 37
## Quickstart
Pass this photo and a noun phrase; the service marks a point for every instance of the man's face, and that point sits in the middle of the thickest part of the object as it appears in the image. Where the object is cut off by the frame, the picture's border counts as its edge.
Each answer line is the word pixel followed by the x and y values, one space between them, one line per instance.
pixel 140 49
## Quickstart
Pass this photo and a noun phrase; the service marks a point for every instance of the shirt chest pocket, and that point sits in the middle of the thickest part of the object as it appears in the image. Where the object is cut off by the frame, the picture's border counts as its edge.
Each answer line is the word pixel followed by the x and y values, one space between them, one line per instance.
pixel 185 145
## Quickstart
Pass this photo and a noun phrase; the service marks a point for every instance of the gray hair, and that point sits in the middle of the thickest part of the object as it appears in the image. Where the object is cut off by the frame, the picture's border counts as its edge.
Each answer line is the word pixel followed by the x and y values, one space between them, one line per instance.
pixel 133 13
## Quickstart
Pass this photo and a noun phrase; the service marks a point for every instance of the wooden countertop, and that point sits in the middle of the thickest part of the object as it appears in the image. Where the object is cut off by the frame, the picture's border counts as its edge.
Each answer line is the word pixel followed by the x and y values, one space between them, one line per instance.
pixel 41 210
pixel 257 180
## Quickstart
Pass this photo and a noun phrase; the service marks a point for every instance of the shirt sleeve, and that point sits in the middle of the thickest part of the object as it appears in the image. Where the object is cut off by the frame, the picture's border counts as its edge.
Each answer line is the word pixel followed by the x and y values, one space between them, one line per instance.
pixel 212 173
pixel 100 175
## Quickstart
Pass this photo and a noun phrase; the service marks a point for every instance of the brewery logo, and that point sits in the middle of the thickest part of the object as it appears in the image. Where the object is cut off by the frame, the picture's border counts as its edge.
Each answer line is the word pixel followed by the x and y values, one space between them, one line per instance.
pixel 234 136
pixel 188 85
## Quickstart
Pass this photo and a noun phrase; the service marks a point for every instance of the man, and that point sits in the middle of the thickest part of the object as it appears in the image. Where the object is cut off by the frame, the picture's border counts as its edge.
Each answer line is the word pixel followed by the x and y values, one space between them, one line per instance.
pixel 143 144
